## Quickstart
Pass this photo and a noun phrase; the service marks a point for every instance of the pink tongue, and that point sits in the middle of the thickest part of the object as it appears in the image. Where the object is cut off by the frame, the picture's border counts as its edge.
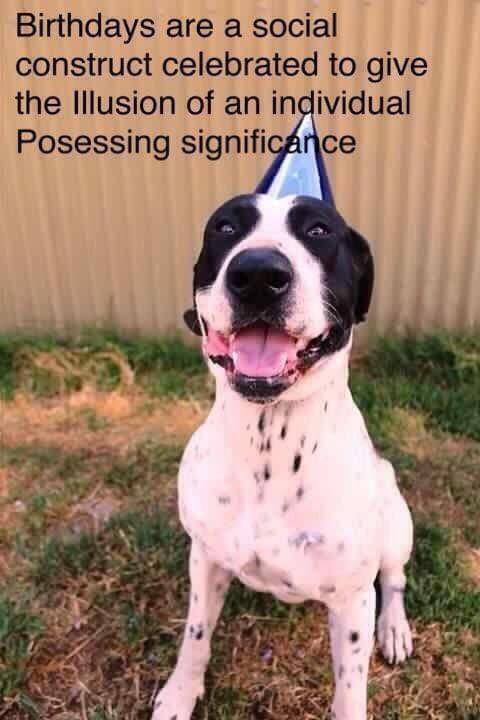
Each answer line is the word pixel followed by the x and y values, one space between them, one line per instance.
pixel 261 351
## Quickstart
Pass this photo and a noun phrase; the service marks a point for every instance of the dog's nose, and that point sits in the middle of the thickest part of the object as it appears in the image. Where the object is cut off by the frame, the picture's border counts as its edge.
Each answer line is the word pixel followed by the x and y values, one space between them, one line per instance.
pixel 259 276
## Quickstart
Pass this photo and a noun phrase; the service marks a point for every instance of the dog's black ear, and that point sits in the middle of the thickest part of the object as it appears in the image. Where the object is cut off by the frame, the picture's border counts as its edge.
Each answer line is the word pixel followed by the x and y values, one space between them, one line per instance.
pixel 363 262
pixel 191 321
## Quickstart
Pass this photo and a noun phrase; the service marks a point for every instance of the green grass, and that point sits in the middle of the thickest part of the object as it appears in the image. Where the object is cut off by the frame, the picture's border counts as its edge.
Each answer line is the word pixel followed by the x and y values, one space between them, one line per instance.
pixel 130 544
pixel 59 557
pixel 438 375
pixel 45 478
pixel 100 713
pixel 130 579
pixel 438 588
pixel 146 532
pixel 163 366
pixel 243 601
pixel 18 629
pixel 143 461
pixel 11 349
pixel 456 477
pixel 225 703
pixel 35 458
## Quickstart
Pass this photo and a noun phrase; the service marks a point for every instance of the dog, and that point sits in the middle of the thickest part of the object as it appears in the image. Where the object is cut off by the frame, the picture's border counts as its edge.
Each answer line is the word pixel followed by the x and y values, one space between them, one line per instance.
pixel 281 485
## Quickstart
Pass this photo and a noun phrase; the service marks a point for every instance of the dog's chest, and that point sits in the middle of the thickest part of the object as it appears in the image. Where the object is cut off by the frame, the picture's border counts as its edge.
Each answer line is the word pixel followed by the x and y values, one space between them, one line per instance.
pixel 291 509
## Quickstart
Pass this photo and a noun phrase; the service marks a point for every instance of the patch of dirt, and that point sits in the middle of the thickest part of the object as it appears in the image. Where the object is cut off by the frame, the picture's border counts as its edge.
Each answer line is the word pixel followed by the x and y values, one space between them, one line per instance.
pixel 114 405
pixel 441 481
pixel 3 483
pixel 7 508
pixel 132 414
pixel 472 556
pixel 90 514
pixel 181 418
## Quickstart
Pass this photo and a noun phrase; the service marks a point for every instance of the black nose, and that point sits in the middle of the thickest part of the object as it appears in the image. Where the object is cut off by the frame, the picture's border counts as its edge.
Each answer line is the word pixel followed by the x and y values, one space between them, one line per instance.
pixel 259 276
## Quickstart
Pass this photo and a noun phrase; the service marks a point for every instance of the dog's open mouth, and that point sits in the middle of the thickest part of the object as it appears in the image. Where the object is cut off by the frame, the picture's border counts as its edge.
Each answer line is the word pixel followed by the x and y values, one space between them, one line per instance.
pixel 261 351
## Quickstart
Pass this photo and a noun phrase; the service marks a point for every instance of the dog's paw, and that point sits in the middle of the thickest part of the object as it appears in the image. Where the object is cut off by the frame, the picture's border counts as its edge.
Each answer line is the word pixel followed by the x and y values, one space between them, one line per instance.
pixel 176 700
pixel 394 635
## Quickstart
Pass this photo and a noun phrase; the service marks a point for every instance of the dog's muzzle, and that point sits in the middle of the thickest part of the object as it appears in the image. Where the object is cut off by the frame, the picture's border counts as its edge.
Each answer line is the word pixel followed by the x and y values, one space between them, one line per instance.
pixel 261 359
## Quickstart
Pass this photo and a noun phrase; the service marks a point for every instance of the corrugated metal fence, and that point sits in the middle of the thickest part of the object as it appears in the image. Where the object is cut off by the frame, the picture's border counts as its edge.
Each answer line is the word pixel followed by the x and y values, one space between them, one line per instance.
pixel 101 239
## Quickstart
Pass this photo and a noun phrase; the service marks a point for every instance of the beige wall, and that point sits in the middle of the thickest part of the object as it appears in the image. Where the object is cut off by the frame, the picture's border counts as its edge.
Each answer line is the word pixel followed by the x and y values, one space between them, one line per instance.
pixel 94 240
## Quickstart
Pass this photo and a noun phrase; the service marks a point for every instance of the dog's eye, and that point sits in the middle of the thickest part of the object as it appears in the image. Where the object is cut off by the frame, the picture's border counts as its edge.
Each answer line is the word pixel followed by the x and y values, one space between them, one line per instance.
pixel 225 228
pixel 317 231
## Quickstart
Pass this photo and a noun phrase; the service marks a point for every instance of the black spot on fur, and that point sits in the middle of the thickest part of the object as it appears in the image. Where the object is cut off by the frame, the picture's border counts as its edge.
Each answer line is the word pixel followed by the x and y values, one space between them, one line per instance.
pixel 341 672
pixel 195 598
pixel 257 477
pixel 360 669
pixel 325 407
pixel 349 685
pixel 297 461
pixel 356 651
pixel 196 631
pixel 354 636
pixel 285 507
pixel 261 422
pixel 268 446
pixel 258 562
pixel 302 441
pixel 283 432
pixel 315 448
pixel 267 472
pixel 224 500
pixel 300 492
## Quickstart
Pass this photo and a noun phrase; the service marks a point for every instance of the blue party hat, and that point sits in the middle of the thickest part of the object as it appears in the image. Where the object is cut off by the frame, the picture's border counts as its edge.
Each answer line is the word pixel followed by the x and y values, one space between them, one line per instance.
pixel 299 173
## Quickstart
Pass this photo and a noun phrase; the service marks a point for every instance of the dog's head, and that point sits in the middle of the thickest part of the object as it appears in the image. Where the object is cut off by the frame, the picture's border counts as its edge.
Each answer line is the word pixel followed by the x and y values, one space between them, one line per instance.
pixel 278 286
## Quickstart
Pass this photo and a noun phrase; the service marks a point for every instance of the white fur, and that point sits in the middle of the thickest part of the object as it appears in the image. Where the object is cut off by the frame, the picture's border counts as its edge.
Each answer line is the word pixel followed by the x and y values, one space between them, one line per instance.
pixel 320 528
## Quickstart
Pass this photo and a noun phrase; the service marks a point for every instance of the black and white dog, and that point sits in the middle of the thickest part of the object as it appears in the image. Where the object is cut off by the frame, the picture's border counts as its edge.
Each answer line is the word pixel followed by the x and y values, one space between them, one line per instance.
pixel 281 486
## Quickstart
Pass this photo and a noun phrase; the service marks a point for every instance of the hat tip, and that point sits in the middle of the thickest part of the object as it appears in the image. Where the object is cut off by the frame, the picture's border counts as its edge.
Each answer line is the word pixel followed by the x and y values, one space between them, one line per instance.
pixel 301 171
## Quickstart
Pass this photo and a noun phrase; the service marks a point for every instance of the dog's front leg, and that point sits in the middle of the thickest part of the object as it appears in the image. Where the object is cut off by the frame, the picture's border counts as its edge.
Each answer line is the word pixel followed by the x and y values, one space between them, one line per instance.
pixel 208 585
pixel 351 636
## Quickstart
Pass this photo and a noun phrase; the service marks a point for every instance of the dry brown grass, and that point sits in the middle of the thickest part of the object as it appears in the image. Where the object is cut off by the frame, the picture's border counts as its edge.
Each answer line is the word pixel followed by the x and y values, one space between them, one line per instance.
pixel 110 631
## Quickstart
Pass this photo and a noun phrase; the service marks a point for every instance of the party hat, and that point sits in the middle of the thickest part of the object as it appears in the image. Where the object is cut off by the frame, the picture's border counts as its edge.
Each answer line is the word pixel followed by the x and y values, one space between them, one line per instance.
pixel 299 173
